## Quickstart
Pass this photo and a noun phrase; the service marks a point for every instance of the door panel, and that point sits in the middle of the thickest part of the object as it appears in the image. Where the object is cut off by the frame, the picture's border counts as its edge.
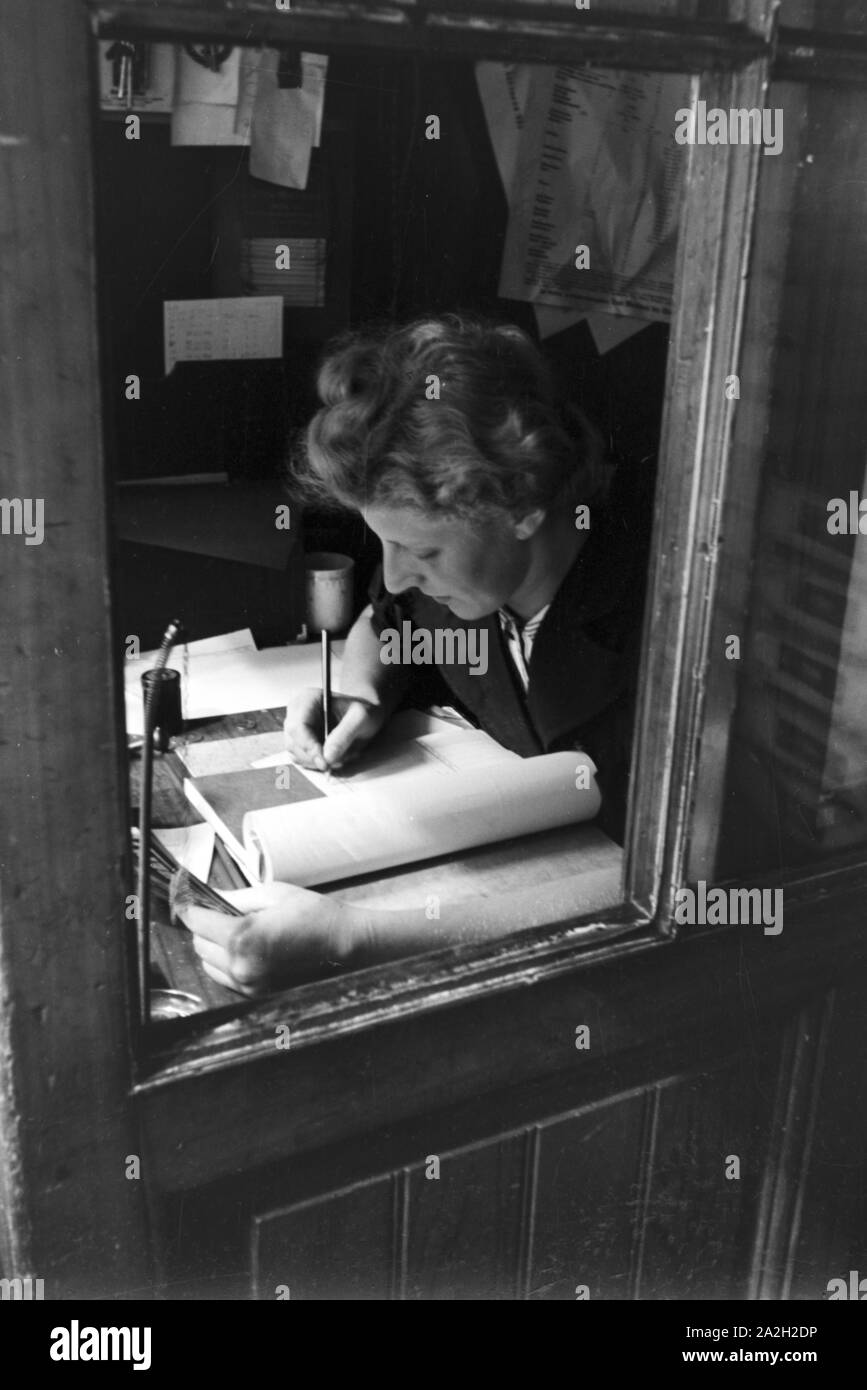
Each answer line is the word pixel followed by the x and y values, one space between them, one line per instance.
pixel 353 1235
pixel 830 1232
pixel 587 1198
pixel 698 1224
pixel 686 1187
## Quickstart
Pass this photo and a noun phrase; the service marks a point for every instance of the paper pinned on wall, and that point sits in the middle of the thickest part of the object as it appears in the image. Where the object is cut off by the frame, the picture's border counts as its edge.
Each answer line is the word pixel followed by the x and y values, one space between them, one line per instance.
pixel 315 69
pixel 286 121
pixel 598 166
pixel 587 158
pixel 505 91
pixel 206 103
pixel 608 330
pixel 248 85
pixel 221 330
pixel 243 104
pixel 254 61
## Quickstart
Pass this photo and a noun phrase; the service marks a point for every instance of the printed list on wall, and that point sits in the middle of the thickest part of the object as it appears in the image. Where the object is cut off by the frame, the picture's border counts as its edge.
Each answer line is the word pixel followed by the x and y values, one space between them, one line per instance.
pixel 589 160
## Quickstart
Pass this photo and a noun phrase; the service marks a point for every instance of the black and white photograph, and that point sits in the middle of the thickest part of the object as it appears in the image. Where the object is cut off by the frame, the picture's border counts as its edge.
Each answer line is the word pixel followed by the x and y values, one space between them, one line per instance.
pixel 433 663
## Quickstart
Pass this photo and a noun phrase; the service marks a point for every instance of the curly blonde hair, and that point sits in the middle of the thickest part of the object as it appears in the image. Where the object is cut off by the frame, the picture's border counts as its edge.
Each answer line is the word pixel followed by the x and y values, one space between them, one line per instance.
pixel 495 439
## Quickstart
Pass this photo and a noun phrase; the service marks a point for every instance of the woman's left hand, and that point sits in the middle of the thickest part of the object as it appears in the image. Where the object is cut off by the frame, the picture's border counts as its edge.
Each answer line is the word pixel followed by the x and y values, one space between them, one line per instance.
pixel 287 935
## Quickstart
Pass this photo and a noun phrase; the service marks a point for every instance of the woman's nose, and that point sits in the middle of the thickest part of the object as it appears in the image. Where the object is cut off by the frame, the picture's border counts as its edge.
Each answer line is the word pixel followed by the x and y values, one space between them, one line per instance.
pixel 396 574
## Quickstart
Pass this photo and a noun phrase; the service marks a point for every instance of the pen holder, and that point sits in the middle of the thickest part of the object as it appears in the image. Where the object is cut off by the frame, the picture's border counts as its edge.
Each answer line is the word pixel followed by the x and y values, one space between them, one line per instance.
pixel 167 717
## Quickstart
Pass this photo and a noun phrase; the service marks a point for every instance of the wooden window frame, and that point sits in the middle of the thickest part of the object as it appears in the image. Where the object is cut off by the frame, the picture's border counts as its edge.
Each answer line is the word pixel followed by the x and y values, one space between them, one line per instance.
pixel 72 1066
pixel 731 63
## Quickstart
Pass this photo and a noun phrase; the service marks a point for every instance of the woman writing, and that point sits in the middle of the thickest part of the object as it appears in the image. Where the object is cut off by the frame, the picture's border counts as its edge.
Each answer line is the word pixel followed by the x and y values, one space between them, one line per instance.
pixel 496 512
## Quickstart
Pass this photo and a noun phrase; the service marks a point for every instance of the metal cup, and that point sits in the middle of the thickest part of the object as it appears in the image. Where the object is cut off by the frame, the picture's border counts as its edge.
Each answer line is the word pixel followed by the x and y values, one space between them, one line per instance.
pixel 329 591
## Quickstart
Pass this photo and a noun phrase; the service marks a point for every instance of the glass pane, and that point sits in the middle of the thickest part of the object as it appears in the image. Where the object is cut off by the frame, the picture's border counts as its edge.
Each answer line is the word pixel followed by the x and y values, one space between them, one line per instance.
pixel 784 785
pixel 415 533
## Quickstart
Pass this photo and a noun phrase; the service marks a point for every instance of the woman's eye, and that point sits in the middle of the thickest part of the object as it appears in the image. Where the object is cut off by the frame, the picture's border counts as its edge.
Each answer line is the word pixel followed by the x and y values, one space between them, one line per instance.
pixel 430 555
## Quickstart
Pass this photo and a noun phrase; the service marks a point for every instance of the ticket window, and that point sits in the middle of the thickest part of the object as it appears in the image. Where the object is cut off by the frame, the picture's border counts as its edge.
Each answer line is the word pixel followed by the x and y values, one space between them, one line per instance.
pixel 415 202
pixel 400 240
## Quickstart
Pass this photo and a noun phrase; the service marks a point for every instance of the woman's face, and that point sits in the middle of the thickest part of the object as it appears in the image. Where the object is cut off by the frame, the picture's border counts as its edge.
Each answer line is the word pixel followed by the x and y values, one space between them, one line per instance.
pixel 473 570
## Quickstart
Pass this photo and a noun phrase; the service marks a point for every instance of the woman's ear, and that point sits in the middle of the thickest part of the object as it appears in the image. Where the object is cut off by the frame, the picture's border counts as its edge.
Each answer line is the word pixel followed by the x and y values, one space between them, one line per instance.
pixel 529 524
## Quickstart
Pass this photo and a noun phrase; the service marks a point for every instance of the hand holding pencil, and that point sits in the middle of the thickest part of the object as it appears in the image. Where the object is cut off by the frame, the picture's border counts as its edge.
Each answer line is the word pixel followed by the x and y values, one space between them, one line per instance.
pixel 352 725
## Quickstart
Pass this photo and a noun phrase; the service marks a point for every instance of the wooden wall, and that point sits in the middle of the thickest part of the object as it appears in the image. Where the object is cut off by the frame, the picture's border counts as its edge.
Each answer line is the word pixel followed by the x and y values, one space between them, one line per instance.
pixel 728 1161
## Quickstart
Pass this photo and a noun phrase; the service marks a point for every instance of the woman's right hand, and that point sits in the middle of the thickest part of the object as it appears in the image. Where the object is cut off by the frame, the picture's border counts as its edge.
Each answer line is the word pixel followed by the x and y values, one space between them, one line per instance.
pixel 353 724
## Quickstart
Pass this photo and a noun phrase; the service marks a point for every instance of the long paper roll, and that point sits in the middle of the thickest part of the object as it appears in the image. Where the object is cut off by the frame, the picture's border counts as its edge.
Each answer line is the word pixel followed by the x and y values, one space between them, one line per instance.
pixel 373 829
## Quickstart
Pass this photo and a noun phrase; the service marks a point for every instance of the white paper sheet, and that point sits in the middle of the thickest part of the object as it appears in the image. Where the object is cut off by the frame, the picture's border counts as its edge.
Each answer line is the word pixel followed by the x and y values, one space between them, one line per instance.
pixel 248 84
pixel 192 846
pixel 233 681
pixel 587 158
pixel 396 766
pixel 221 330
pixel 315 69
pixel 206 103
pixel 240 640
pixel 418 815
pixel 504 89
pixel 286 122
pixel 269 749
pixel 220 108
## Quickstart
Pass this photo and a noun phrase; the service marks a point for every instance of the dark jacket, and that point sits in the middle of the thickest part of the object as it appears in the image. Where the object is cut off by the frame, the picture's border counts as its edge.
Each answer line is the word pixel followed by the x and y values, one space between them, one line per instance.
pixel 583 666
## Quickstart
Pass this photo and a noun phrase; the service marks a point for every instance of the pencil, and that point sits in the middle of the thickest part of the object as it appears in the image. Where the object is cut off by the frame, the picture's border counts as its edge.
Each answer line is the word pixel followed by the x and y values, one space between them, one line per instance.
pixel 326 686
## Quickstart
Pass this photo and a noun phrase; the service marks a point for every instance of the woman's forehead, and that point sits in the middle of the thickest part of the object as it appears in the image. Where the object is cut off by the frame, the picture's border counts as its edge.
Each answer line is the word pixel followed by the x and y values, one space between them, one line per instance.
pixel 411 525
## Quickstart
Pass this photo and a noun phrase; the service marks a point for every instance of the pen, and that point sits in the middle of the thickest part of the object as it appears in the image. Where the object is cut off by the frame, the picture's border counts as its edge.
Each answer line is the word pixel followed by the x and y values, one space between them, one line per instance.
pixel 326 685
